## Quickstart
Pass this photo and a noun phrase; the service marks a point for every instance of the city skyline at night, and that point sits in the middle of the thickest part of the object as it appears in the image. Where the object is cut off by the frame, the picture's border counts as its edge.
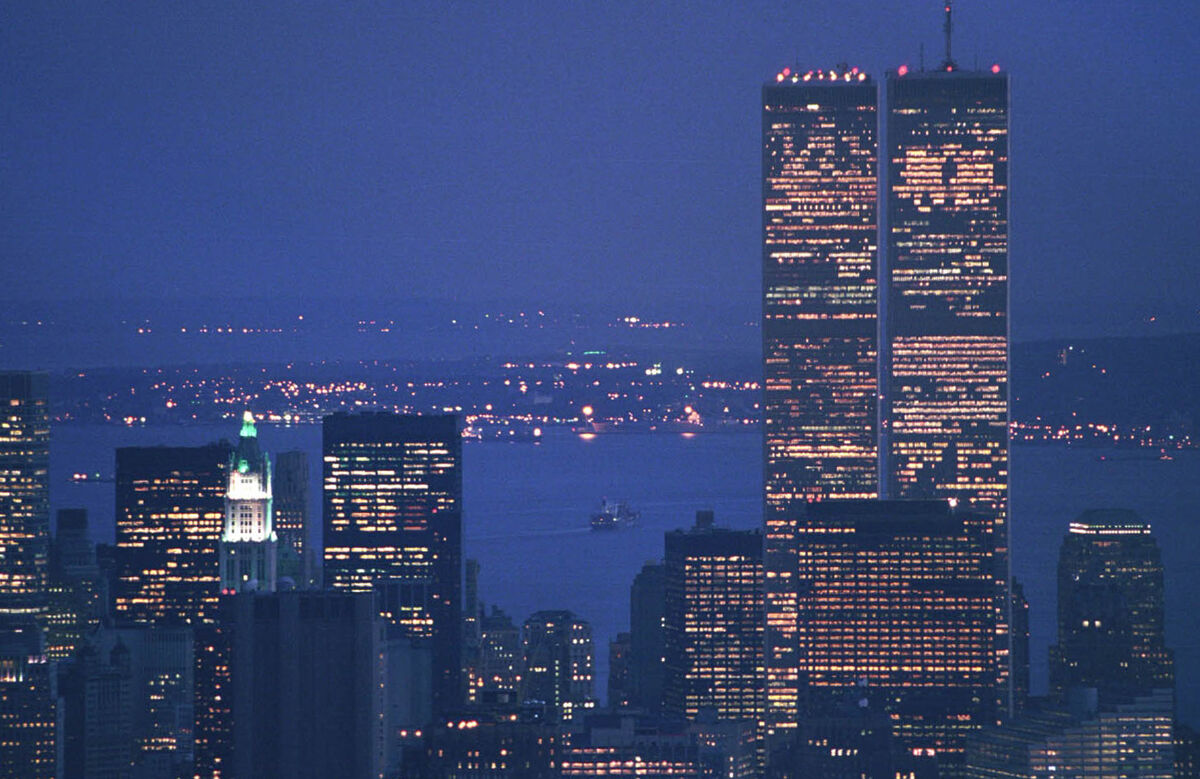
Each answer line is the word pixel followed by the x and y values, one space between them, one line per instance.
pixel 324 332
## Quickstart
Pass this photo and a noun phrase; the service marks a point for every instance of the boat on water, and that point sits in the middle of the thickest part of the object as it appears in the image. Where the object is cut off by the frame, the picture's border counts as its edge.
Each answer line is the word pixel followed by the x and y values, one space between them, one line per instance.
pixel 613 514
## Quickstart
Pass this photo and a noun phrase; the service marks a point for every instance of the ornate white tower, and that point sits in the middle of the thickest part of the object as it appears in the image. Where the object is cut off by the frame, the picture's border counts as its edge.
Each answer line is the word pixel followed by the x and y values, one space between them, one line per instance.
pixel 248 543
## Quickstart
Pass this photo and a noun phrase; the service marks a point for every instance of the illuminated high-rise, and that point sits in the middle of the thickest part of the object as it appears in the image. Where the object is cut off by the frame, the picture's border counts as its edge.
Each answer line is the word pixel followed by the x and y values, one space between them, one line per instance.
pixel 393 523
pixel 945 333
pixel 24 492
pixel 170 514
pixel 820 321
pixel 1110 607
pixel 249 545
pixel 713 631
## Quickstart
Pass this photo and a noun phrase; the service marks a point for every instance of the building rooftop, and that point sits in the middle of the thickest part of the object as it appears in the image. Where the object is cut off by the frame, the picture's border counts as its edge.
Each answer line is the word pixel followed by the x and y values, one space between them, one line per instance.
pixel 1110 522
pixel 843 74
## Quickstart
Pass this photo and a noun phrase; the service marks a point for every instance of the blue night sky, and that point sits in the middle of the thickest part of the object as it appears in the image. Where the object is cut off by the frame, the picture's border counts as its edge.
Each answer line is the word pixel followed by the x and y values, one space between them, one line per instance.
pixel 547 152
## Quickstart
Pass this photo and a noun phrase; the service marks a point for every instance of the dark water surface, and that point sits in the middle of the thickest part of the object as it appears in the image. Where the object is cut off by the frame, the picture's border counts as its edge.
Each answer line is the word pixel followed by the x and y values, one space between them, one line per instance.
pixel 526 512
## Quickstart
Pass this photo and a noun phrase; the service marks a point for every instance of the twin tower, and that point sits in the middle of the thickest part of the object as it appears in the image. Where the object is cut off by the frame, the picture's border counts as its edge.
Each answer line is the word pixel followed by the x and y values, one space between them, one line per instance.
pixel 886 371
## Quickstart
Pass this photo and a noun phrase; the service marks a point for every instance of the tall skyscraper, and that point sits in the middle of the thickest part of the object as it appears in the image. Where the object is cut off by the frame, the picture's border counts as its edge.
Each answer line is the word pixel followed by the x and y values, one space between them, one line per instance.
pixel 24 491
pixel 714 622
pixel 248 548
pixel 559 664
pixel 820 318
pixel 898 595
pixel 1110 607
pixel 945 343
pixel 170 515
pixel 393 522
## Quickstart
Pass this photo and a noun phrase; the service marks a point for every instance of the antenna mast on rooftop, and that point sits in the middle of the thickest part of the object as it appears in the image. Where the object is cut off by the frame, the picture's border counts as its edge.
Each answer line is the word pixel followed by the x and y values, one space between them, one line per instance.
pixel 949 64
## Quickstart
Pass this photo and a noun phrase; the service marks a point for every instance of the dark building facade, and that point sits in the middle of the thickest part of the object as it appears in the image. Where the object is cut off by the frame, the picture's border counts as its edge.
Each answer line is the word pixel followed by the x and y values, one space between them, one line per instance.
pixel 77 594
pixel 1020 646
pixel 393 523
pixel 98 705
pixel 1187 752
pixel 161 660
pixel 24 491
pixel 306 678
pixel 647 612
pixel 1128 737
pixel 1110 607
pixel 626 745
pixel 472 627
pixel 28 702
pixel 500 656
pixel 620 678
pixel 849 740
pixel 213 702
pixel 713 636
pixel 820 320
pixel 558 669
pixel 128 703
pixel 292 524
pixel 488 746
pixel 170 510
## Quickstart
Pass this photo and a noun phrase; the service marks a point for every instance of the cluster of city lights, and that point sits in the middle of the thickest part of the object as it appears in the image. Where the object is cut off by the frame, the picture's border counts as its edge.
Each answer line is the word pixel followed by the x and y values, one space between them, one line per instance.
pixel 853 74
